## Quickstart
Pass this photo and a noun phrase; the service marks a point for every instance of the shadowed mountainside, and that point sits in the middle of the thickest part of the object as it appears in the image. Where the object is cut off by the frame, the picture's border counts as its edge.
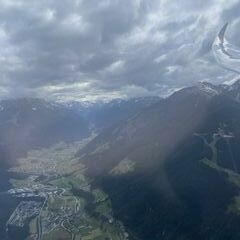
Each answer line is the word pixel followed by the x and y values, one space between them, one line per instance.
pixel 172 170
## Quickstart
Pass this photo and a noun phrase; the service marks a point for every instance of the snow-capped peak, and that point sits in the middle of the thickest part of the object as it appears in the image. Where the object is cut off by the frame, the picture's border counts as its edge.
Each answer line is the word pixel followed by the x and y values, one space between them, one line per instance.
pixel 208 88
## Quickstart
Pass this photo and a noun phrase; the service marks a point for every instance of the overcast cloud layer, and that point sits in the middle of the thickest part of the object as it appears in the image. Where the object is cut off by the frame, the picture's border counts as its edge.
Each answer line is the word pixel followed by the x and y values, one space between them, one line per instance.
pixel 102 49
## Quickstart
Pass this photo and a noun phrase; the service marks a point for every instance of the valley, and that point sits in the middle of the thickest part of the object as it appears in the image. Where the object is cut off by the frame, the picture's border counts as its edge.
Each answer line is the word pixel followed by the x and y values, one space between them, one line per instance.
pixel 58 200
pixel 167 172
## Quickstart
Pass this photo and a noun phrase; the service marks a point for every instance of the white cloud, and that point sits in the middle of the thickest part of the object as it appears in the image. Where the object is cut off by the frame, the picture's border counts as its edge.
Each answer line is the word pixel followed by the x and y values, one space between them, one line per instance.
pixel 161 58
pixel 11 3
pixel 49 14
pixel 75 21
pixel 115 67
pixel 171 69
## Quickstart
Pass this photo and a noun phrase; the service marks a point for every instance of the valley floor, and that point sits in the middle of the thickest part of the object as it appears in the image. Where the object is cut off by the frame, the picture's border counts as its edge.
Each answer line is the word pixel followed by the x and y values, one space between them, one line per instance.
pixel 58 200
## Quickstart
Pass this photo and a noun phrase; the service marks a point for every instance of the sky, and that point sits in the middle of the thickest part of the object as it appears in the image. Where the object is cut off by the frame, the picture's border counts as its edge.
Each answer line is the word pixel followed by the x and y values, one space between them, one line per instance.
pixel 93 50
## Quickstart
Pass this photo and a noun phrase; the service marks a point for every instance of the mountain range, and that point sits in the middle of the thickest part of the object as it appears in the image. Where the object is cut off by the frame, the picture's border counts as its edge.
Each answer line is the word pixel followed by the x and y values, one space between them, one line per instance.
pixel 172 170
pixel 28 123
pixel 169 166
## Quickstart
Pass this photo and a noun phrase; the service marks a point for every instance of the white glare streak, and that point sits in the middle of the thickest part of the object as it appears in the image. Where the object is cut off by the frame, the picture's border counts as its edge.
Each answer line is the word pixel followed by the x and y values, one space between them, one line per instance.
pixel 226 54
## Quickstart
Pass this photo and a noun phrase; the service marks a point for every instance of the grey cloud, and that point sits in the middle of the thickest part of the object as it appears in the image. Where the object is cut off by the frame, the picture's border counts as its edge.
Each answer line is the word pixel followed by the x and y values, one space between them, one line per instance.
pixel 83 50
